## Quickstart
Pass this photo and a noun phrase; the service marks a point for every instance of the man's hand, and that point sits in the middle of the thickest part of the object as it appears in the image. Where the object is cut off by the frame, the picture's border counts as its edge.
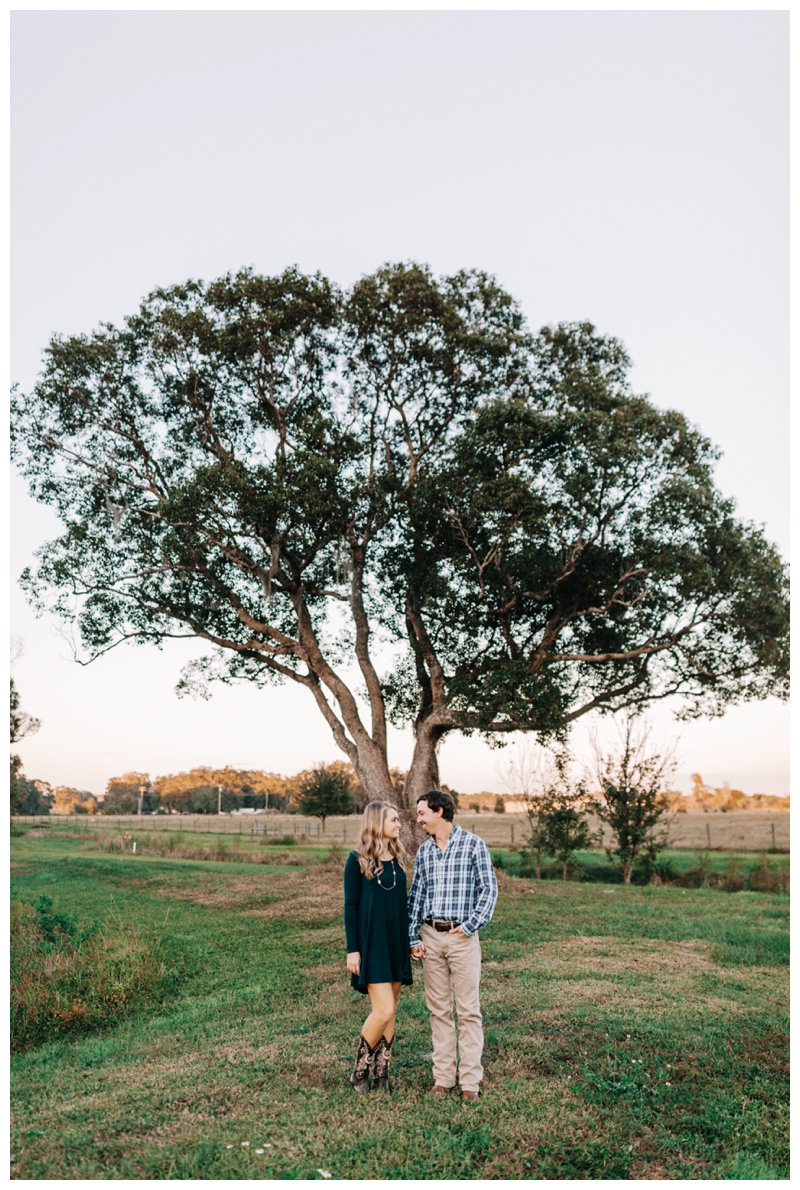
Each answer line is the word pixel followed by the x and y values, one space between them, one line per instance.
pixel 418 951
pixel 459 931
pixel 354 962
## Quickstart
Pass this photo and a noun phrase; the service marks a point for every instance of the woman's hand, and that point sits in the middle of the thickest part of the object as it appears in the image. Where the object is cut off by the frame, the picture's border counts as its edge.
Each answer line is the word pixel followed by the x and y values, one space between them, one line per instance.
pixel 354 962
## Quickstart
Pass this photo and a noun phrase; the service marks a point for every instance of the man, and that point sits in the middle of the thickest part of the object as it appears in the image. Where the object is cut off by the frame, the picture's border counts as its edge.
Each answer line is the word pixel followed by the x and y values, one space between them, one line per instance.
pixel 453 895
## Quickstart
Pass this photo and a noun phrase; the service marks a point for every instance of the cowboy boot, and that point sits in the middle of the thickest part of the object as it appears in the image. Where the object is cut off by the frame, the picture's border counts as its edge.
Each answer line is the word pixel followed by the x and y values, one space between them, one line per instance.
pixel 383 1056
pixel 359 1079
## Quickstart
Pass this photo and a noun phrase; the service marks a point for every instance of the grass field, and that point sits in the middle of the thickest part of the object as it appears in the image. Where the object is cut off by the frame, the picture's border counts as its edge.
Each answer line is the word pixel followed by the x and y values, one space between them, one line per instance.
pixel 635 1032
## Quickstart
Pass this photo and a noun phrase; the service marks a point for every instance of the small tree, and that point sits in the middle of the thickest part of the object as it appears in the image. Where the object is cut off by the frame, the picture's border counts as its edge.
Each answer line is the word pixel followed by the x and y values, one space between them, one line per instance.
pixel 566 831
pixel 325 791
pixel 530 777
pixel 562 826
pixel 634 800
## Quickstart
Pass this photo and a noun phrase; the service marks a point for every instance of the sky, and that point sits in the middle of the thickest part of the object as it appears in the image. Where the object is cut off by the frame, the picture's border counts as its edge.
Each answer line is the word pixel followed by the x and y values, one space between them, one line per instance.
pixel 626 167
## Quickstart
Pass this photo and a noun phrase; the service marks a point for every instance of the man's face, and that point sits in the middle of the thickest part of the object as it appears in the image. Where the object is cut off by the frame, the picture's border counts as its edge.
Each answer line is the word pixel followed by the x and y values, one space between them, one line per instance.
pixel 428 818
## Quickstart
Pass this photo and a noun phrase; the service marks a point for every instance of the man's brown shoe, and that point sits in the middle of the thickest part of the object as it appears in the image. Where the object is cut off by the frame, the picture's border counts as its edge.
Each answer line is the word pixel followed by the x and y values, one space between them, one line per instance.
pixel 437 1089
pixel 469 1094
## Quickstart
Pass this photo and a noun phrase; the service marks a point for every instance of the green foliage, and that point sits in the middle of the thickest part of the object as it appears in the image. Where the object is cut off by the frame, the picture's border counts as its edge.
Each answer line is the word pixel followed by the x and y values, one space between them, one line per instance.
pixel 22 724
pixel 325 792
pixel 37 797
pixel 282 469
pixel 16 791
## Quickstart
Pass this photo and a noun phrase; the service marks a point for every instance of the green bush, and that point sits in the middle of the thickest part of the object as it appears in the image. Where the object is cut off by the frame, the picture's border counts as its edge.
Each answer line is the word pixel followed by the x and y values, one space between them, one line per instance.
pixel 282 841
pixel 65 979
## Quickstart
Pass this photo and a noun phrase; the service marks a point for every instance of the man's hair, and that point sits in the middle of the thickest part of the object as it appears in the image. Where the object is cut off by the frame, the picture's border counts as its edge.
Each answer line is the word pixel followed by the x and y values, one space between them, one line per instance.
pixel 437 800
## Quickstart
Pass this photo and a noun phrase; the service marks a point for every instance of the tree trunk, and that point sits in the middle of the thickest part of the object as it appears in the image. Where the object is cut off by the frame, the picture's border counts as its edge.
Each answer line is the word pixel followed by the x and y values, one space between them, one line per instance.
pixel 627 869
pixel 564 869
pixel 423 776
pixel 412 836
pixel 538 865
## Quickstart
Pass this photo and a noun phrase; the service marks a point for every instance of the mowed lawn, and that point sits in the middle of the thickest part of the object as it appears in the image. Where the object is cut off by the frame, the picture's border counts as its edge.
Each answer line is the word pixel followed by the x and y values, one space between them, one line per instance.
pixel 636 1032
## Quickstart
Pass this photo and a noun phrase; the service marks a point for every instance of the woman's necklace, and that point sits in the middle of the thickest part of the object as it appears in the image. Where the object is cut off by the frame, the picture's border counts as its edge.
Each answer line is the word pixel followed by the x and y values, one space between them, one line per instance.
pixel 387 887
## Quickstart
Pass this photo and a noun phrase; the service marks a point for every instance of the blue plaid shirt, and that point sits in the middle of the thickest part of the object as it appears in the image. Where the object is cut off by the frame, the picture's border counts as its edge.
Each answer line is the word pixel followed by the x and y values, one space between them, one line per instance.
pixel 457 884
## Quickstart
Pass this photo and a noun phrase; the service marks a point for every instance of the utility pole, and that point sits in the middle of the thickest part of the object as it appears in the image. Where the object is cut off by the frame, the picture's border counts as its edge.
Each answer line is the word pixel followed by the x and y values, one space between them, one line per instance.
pixel 219 799
pixel 141 795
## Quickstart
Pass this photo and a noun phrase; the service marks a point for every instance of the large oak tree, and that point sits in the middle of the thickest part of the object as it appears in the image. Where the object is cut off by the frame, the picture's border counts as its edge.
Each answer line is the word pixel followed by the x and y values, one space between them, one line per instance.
pixel 291 473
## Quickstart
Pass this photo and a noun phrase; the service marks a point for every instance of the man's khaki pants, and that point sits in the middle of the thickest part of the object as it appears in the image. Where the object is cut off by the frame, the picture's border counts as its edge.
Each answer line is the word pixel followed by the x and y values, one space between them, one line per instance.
pixel 452 966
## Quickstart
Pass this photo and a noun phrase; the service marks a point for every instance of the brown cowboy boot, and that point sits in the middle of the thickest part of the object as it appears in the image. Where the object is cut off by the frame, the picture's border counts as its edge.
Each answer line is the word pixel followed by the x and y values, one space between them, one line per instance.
pixel 359 1079
pixel 383 1056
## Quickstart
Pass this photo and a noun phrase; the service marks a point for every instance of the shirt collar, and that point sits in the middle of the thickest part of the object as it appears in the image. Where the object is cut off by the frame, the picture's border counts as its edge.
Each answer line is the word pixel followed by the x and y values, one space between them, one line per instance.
pixel 433 844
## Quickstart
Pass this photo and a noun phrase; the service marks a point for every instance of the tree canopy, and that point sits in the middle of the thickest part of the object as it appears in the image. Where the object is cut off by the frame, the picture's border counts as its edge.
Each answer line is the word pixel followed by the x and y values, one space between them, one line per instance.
pixel 309 479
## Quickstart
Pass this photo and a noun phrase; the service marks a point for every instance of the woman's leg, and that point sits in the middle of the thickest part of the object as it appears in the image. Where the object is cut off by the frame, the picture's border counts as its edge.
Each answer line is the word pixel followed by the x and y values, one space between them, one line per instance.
pixel 384 1001
pixel 388 1031
pixel 383 1051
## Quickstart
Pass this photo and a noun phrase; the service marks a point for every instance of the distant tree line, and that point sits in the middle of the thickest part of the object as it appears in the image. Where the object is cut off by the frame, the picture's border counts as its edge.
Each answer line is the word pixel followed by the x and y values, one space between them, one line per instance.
pixel 206 790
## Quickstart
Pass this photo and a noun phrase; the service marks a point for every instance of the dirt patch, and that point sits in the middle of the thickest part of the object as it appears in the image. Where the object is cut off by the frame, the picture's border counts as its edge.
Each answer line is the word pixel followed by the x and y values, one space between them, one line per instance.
pixel 631 974
pixel 312 1071
pixel 604 955
pixel 327 972
pixel 244 1053
pixel 306 894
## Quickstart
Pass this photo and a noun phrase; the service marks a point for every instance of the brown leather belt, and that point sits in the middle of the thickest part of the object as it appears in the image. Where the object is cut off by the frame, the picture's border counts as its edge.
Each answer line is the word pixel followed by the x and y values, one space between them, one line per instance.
pixel 441 926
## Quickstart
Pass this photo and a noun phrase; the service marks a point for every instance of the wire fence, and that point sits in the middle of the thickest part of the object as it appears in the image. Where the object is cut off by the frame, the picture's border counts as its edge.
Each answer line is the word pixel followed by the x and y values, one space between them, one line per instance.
pixel 750 830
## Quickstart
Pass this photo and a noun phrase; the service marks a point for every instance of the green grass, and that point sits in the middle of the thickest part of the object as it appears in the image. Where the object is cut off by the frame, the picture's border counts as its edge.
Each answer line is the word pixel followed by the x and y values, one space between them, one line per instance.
pixel 630 1032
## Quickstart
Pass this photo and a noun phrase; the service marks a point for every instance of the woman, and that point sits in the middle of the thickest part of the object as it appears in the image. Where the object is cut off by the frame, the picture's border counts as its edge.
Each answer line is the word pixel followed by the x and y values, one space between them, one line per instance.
pixel 376 929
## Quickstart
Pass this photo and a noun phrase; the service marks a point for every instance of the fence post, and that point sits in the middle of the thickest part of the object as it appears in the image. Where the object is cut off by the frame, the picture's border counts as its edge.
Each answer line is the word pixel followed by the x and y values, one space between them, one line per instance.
pixel 708 834
pixel 512 832
pixel 772 824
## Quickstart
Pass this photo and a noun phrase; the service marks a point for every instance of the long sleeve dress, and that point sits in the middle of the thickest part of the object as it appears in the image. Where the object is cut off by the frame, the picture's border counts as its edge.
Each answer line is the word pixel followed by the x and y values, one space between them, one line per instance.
pixel 376 923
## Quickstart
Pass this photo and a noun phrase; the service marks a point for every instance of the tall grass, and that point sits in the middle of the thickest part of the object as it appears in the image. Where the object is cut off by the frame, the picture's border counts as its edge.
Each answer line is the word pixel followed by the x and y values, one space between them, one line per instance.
pixel 173 847
pixel 703 869
pixel 68 980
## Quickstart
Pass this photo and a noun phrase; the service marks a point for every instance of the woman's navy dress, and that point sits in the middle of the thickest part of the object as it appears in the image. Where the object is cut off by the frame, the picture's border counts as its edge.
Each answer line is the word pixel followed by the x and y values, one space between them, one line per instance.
pixel 376 923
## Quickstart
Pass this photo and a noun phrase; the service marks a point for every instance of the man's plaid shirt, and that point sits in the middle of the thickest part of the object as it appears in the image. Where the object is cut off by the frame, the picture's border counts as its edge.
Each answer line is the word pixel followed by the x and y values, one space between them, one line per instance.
pixel 457 884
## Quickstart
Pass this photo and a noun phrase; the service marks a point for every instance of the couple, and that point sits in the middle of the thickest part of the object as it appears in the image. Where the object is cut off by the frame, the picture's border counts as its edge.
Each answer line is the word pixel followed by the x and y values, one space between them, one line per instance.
pixel 452 896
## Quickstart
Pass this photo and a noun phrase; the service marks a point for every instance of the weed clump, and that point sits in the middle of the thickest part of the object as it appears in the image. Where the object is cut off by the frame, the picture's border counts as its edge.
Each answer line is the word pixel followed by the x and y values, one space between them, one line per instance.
pixel 68 979
pixel 335 857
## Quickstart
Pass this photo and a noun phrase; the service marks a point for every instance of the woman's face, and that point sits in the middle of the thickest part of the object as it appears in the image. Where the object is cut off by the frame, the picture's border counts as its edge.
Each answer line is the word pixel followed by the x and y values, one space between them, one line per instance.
pixel 391 825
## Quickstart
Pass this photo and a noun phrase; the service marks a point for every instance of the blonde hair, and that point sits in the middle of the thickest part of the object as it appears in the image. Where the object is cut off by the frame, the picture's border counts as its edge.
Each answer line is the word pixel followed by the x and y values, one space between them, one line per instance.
pixel 373 840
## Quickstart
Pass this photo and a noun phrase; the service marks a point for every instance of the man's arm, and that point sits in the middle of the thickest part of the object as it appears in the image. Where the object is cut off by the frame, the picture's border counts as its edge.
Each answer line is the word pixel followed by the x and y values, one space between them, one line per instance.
pixel 486 890
pixel 416 900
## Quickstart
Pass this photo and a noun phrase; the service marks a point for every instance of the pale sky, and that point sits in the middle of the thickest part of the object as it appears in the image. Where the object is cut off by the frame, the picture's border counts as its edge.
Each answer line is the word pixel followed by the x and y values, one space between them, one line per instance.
pixel 626 167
